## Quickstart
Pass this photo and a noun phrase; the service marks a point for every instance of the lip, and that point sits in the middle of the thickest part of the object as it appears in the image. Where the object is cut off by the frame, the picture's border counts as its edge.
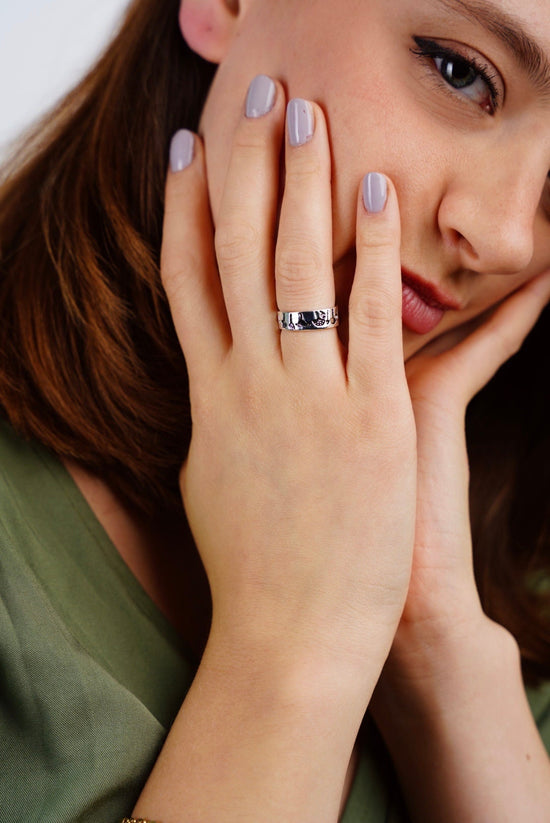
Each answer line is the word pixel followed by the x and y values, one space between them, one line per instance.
pixel 424 304
pixel 430 294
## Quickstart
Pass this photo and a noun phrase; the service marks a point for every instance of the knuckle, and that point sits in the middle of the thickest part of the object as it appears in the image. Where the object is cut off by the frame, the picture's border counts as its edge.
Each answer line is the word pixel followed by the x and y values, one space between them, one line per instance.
pixel 303 170
pixel 377 311
pixel 172 278
pixel 300 265
pixel 175 273
pixel 252 399
pixel 376 236
pixel 203 410
pixel 379 244
pixel 250 140
pixel 389 421
pixel 236 241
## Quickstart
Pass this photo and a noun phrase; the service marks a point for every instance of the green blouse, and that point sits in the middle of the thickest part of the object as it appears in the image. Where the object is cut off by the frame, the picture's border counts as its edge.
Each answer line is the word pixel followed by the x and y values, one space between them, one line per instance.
pixel 91 672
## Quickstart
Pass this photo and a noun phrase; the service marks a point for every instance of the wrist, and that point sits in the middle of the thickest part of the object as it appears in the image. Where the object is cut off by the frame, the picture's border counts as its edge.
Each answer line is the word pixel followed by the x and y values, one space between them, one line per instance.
pixel 445 669
pixel 300 658
pixel 290 676
pixel 443 639
pixel 462 738
pixel 257 730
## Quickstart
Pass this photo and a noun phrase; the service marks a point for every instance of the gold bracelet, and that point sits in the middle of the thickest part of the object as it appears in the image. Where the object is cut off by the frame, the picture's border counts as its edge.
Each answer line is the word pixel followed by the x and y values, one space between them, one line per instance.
pixel 137 820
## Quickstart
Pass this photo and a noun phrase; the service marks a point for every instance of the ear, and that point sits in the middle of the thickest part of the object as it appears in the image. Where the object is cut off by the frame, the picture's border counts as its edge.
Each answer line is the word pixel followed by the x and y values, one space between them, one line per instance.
pixel 208 26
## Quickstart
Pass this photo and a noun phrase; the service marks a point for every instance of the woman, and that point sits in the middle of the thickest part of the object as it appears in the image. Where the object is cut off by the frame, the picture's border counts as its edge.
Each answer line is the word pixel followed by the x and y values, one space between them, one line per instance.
pixel 326 483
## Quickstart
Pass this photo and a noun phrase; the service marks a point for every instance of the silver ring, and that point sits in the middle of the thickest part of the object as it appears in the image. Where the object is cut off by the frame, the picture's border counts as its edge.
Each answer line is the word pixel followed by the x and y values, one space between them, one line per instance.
pixel 308 320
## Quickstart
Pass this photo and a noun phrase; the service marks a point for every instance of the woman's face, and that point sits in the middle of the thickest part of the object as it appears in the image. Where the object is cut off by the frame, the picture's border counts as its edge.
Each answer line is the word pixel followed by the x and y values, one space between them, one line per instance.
pixel 450 98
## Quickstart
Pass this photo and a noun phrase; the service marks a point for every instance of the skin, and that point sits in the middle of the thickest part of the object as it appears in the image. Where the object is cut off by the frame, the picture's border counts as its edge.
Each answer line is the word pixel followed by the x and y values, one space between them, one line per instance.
pixel 451 169
pixel 304 631
pixel 473 192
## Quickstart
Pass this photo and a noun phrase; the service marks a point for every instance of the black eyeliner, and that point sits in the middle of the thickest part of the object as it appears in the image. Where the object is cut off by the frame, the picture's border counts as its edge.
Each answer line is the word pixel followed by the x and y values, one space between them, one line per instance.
pixel 432 49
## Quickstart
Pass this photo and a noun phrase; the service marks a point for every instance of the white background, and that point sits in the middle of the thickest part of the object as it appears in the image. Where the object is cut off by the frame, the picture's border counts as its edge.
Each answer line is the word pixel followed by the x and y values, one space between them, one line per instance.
pixel 45 47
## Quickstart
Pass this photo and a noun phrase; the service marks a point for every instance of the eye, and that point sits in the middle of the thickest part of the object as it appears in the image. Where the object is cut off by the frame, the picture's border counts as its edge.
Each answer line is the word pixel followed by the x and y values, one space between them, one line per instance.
pixel 460 74
pixel 466 76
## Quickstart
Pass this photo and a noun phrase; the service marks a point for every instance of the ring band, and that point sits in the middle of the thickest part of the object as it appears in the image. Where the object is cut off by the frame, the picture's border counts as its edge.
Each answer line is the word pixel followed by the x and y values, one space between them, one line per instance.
pixel 308 320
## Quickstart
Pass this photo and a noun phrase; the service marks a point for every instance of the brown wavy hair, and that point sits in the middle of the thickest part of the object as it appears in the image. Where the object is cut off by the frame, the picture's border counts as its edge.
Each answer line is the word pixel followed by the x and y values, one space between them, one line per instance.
pixel 89 360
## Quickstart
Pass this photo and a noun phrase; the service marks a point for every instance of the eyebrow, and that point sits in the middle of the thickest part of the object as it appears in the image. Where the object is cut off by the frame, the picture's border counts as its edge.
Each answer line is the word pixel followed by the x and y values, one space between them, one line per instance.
pixel 529 55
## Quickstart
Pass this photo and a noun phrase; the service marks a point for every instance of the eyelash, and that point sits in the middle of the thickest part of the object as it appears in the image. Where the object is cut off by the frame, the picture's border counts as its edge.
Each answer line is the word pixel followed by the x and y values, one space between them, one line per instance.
pixel 433 50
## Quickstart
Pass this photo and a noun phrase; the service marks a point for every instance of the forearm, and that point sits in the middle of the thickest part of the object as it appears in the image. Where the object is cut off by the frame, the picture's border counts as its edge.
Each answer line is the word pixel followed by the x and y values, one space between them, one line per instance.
pixel 462 736
pixel 256 743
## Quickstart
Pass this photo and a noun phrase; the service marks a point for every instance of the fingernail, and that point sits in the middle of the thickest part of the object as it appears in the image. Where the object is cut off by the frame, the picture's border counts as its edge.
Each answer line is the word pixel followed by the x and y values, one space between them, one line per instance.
pixel 300 121
pixel 181 149
pixel 375 192
pixel 260 97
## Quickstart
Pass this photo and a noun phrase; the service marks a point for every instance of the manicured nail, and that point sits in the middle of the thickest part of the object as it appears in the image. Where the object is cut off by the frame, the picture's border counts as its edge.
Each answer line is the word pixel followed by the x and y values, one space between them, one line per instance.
pixel 375 192
pixel 181 149
pixel 300 121
pixel 260 97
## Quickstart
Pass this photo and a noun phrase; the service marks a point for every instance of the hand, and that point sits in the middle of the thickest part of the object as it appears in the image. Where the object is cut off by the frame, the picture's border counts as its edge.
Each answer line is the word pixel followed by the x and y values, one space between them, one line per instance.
pixel 442 602
pixel 453 674
pixel 300 481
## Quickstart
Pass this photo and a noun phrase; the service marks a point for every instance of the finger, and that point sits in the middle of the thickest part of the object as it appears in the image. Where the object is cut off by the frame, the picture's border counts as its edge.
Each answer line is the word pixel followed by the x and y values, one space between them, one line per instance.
pixel 446 341
pixel 188 266
pixel 246 220
pixel 477 358
pixel 303 259
pixel 375 349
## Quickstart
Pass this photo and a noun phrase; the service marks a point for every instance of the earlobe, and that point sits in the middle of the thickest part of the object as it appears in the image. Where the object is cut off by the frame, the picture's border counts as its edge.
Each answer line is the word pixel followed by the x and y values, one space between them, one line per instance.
pixel 208 26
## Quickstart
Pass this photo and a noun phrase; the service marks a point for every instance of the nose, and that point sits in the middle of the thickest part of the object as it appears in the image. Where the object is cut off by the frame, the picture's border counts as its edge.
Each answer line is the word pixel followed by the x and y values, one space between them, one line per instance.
pixel 488 218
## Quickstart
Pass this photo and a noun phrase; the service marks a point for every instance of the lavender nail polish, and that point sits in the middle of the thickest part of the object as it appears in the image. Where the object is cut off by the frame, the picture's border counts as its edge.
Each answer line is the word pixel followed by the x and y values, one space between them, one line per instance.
pixel 181 149
pixel 260 98
pixel 375 192
pixel 300 121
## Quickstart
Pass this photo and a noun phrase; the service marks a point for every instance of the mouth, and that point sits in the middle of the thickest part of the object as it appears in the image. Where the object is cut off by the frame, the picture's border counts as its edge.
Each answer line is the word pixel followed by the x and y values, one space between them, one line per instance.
pixel 424 304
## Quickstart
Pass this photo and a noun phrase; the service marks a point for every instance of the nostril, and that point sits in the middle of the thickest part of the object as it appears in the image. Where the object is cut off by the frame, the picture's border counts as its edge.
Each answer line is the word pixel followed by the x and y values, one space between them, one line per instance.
pixel 459 243
pixel 495 249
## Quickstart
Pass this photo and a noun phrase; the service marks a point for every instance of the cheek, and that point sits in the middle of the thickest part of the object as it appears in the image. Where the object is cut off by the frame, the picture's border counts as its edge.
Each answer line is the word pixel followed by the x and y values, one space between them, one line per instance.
pixel 374 120
pixel 376 125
